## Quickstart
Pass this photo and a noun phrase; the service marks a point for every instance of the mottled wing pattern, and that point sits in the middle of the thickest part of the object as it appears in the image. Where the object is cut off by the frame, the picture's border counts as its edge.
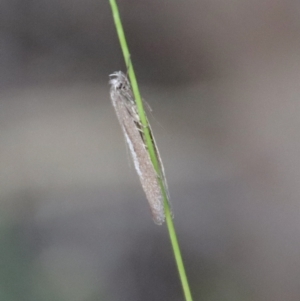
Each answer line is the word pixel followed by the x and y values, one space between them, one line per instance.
pixel 125 107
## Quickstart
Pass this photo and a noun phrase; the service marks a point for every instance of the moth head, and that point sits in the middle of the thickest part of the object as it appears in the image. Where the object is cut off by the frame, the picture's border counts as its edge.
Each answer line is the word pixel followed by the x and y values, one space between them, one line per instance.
pixel 119 81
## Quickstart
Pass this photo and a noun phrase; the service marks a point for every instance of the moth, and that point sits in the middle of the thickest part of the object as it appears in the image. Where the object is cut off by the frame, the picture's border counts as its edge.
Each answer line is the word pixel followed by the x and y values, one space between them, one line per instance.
pixel 126 109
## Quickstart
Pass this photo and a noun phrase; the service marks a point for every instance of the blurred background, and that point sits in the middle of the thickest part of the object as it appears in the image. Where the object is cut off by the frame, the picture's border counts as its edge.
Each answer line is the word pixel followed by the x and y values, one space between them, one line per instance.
pixel 222 78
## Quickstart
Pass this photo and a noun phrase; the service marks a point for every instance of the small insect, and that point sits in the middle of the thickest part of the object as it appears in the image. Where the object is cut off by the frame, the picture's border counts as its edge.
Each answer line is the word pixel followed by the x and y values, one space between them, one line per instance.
pixel 125 106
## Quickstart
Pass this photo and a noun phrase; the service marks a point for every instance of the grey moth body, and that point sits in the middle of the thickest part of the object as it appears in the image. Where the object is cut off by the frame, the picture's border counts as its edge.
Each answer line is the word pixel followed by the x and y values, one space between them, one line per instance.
pixel 126 110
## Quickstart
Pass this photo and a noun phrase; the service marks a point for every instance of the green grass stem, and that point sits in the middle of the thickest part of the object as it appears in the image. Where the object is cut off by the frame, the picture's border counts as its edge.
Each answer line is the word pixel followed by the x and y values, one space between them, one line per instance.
pixel 155 161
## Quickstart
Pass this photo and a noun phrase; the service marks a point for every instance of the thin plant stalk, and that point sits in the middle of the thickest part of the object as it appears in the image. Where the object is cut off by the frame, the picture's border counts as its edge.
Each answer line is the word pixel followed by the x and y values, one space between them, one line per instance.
pixel 150 146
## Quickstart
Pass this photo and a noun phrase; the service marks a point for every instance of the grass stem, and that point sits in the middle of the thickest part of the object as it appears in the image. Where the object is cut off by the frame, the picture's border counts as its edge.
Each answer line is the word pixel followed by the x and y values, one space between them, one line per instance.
pixel 150 146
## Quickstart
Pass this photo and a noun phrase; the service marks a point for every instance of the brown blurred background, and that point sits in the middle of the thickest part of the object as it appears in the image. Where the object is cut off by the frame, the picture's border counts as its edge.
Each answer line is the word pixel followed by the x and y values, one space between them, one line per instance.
pixel 222 78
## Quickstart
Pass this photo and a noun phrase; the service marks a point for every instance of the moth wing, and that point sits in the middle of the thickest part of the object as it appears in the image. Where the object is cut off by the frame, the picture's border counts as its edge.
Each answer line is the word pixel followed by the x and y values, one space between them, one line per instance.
pixel 140 156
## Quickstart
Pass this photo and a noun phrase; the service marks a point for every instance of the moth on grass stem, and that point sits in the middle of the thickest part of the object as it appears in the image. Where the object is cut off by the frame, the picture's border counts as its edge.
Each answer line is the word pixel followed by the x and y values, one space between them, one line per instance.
pixel 125 106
